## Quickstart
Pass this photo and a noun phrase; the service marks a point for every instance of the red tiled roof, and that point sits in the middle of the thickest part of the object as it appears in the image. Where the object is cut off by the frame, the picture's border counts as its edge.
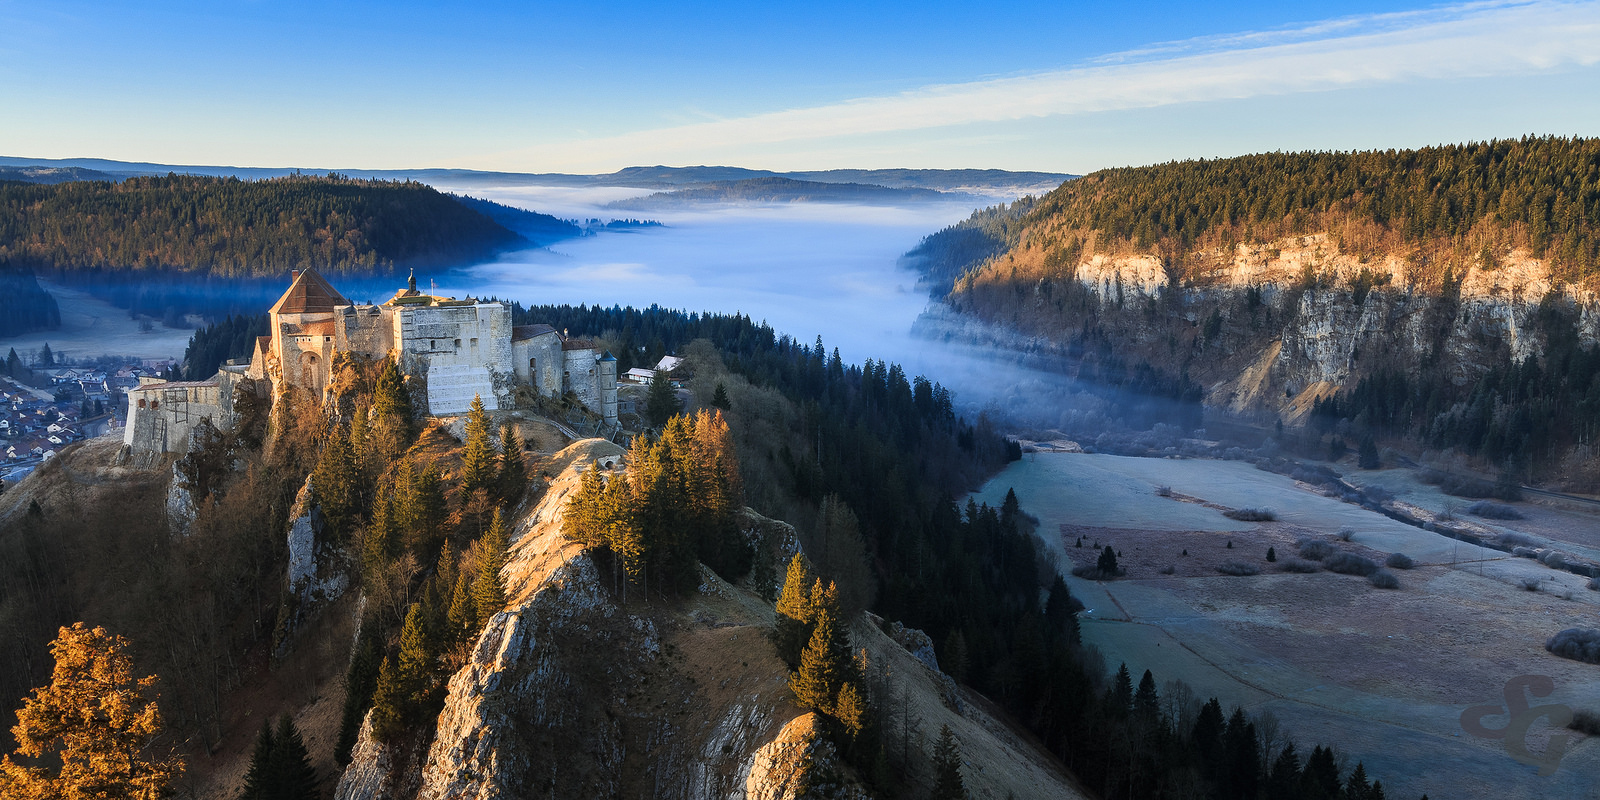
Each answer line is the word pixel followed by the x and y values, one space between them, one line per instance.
pixel 310 293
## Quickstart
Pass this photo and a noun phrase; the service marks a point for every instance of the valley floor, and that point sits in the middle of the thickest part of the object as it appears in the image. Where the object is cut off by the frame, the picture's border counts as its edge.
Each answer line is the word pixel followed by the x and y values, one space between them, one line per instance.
pixel 1385 675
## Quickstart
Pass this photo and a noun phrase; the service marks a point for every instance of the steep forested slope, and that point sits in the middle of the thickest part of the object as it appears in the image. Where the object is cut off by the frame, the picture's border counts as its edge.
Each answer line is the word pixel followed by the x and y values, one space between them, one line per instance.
pixel 1442 297
pixel 233 228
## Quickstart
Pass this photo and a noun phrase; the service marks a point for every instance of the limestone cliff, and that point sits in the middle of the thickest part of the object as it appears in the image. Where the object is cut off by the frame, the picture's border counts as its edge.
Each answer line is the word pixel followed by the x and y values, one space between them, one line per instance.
pixel 1266 328
pixel 570 693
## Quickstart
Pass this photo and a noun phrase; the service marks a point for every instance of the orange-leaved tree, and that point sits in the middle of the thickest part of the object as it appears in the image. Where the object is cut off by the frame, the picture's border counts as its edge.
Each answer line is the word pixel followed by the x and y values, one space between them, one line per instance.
pixel 91 732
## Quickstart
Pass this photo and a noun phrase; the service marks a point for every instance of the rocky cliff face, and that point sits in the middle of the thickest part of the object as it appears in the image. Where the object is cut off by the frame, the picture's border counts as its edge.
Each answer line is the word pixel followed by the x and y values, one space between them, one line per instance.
pixel 1266 328
pixel 569 693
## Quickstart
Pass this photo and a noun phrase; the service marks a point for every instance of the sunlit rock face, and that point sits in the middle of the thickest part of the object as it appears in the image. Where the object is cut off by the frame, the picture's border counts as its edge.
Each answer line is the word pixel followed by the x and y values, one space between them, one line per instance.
pixel 1265 328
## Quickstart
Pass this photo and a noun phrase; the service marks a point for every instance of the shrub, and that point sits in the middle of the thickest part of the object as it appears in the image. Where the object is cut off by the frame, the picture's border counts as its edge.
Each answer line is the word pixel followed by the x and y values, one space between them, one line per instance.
pixel 1297 566
pixel 1238 568
pixel 1384 579
pixel 1346 533
pixel 1316 549
pixel 1532 584
pixel 1272 555
pixel 1556 559
pixel 1586 722
pixel 1578 644
pixel 1488 509
pixel 1399 561
pixel 1513 539
pixel 1168 570
pixel 1350 564
pixel 1163 491
pixel 1377 494
pixel 1251 514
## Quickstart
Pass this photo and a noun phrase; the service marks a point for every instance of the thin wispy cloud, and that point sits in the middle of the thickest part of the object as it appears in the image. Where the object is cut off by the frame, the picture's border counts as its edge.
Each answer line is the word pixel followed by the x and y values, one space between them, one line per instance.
pixel 1474 40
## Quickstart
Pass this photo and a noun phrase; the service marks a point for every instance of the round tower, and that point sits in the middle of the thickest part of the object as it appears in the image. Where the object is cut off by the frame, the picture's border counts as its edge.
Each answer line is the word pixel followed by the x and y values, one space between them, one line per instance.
pixel 607 376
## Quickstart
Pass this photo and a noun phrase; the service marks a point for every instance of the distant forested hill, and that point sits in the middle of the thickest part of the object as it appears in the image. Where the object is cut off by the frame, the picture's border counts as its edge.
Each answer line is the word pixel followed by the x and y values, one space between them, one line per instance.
pixel 944 256
pixel 231 228
pixel 37 174
pixel 538 228
pixel 782 190
pixel 1540 193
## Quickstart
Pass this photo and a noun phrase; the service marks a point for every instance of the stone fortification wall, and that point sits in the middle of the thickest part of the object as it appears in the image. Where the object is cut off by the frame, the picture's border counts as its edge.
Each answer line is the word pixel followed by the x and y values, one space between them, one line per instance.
pixel 162 417
pixel 367 330
pixel 465 350
pixel 547 363
pixel 583 377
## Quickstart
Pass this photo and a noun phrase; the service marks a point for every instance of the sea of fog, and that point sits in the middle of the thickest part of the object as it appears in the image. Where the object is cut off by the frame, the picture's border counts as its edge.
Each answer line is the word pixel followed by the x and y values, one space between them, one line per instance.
pixel 807 269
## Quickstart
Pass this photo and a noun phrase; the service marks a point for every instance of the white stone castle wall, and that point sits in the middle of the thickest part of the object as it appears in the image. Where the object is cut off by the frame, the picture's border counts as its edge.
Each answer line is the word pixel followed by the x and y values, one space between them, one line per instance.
pixel 465 351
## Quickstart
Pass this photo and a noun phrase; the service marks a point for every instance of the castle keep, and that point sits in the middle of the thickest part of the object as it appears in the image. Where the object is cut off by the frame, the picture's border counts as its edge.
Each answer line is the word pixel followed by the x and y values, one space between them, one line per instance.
pixel 457 350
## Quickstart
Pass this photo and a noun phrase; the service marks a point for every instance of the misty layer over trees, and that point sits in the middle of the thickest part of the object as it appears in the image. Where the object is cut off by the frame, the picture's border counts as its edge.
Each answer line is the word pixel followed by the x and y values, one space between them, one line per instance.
pixel 24 304
pixel 232 228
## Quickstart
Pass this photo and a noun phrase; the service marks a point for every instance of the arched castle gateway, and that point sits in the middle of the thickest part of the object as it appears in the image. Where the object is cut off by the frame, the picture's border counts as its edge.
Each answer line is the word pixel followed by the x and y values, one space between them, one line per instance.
pixel 459 349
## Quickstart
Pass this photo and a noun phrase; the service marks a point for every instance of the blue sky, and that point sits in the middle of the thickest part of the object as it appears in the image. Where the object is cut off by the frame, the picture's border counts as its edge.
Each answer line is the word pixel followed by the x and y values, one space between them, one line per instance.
pixel 576 87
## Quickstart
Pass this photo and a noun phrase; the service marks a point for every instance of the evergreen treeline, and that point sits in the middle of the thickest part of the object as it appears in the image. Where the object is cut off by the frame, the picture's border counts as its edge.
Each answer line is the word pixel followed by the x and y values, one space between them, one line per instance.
pixel 235 228
pixel 944 256
pixel 1478 200
pixel 892 450
pixel 24 304
pixel 210 347
pixel 673 508
pixel 1520 415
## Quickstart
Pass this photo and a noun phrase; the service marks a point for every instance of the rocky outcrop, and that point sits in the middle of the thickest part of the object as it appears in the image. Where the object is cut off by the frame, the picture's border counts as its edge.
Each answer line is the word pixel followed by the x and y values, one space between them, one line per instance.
pixel 1265 328
pixel 800 761
pixel 569 693
pixel 180 504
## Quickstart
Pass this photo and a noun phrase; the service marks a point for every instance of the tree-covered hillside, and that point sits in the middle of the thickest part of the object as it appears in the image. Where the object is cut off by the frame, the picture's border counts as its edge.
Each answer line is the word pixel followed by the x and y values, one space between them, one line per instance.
pixel 944 256
pixel 233 228
pixel 1472 200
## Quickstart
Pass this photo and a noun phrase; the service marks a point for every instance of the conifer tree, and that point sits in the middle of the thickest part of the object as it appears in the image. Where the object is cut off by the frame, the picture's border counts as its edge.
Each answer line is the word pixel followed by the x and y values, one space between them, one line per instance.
pixel 719 398
pixel 390 398
pixel 463 613
pixel 489 591
pixel 260 781
pixel 389 709
pixel 582 521
pixel 478 456
pixel 1283 781
pixel 293 774
pixel 512 478
pixel 360 681
pixel 380 542
pixel 336 483
pixel 619 529
pixel 793 626
pixel 1146 701
pixel 89 732
pixel 817 680
pixel 661 401
pixel 947 767
pixel 851 711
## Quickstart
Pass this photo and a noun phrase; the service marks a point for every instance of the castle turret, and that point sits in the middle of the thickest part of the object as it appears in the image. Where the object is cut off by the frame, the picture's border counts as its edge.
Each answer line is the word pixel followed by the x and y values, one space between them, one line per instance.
pixel 607 379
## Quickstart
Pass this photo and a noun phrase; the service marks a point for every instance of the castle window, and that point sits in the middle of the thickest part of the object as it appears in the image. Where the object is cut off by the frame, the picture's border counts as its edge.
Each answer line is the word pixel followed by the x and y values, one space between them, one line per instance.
pixel 142 403
pixel 474 342
pixel 155 404
pixel 458 344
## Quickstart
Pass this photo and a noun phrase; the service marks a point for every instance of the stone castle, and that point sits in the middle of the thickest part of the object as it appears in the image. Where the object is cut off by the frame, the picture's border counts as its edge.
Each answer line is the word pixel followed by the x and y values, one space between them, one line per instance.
pixel 456 350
